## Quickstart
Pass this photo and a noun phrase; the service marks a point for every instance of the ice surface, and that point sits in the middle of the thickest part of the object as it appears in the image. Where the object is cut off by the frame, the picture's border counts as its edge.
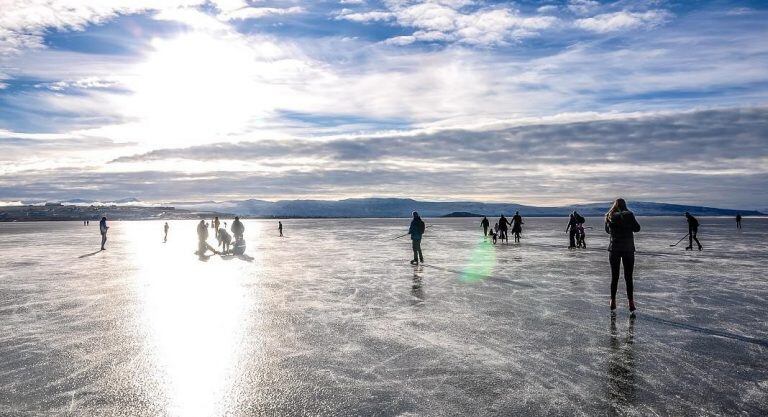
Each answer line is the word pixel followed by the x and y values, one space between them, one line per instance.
pixel 332 320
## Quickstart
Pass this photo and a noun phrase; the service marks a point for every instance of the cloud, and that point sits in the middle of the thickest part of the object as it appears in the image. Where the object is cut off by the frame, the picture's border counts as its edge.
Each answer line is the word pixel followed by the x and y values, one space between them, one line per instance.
pixel 453 21
pixel 623 20
pixel 644 150
pixel 259 12
pixel 23 23
pixel 370 16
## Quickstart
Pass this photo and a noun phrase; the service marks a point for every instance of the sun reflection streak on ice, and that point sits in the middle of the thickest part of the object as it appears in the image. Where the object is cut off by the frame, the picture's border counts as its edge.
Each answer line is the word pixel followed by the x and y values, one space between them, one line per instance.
pixel 194 315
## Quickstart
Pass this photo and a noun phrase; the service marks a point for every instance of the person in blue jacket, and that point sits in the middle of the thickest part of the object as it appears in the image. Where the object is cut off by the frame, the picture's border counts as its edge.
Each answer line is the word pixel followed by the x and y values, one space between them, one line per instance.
pixel 417 231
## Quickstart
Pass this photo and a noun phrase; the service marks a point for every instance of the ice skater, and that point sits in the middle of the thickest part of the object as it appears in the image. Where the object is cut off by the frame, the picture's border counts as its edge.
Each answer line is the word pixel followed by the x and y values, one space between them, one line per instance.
pixel 621 224
pixel 581 236
pixel 416 230
pixel 503 223
pixel 103 230
pixel 280 228
pixel 485 224
pixel 165 230
pixel 573 220
pixel 517 226
pixel 215 224
pixel 202 239
pixel 738 221
pixel 693 231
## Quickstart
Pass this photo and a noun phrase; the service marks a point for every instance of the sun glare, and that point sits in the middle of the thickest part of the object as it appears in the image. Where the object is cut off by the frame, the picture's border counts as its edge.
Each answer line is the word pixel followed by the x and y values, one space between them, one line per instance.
pixel 196 88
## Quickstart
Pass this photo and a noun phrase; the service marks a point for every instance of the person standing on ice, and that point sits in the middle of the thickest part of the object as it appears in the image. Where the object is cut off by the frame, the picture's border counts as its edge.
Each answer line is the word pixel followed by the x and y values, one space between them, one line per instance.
pixel 485 225
pixel 621 224
pixel 103 230
pixel 738 220
pixel 237 228
pixel 693 230
pixel 503 223
pixel 517 226
pixel 165 229
pixel 416 230
pixel 572 228
pixel 280 228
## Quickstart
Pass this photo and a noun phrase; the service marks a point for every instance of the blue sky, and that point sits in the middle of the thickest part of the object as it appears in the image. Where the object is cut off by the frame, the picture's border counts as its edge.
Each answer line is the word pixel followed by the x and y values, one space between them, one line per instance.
pixel 532 102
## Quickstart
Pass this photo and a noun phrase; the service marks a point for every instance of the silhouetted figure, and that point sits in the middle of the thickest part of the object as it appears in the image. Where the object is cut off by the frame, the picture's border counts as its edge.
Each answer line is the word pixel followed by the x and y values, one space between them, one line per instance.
pixel 621 224
pixel 517 226
pixel 202 239
pixel 693 230
pixel 572 229
pixel 494 235
pixel 225 240
pixel 503 223
pixel 237 228
pixel 103 230
pixel 485 224
pixel 165 230
pixel 738 220
pixel 280 228
pixel 84 223
pixel 87 222
pixel 416 230
pixel 581 236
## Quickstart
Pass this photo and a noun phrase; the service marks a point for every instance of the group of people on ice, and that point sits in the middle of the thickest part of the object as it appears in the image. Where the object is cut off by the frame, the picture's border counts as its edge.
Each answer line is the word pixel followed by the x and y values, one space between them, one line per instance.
pixel 500 229
pixel 223 238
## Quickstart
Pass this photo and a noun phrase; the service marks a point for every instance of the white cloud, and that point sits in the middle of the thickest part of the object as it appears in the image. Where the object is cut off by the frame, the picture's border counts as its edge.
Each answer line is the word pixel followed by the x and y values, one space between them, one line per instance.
pixel 23 22
pixel 371 16
pixel 623 20
pixel 583 7
pixel 448 21
pixel 259 12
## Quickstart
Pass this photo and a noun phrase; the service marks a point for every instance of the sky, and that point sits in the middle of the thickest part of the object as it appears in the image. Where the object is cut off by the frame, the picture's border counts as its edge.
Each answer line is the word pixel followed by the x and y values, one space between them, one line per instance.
pixel 543 103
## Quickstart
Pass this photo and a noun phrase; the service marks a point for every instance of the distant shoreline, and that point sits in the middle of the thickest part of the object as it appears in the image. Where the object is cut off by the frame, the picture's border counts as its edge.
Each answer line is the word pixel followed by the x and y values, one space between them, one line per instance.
pixel 343 209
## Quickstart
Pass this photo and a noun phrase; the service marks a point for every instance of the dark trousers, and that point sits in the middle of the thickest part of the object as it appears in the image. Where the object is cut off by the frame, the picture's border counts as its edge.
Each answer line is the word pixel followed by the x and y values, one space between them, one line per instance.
pixel 692 236
pixel 616 259
pixel 572 237
pixel 417 256
pixel 485 230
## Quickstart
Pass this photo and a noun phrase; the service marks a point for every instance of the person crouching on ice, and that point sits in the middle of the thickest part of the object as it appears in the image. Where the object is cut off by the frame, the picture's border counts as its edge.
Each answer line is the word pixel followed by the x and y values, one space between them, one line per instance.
pixel 225 240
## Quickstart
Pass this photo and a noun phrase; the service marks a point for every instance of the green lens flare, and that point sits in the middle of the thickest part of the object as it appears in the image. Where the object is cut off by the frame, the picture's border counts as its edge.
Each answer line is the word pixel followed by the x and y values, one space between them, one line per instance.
pixel 481 262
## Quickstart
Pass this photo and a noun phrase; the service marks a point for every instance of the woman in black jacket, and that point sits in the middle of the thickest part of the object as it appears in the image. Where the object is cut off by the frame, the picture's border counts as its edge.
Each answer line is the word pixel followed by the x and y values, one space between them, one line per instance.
pixel 621 224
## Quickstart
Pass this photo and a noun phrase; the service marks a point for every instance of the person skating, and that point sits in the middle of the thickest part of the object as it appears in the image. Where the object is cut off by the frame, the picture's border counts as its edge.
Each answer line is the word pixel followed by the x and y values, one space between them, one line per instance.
pixel 485 224
pixel 573 221
pixel 581 236
pixel 103 230
pixel 693 230
pixel 738 220
pixel 416 230
pixel 503 223
pixel 280 228
pixel 517 226
pixel 215 224
pixel 165 229
pixel 621 224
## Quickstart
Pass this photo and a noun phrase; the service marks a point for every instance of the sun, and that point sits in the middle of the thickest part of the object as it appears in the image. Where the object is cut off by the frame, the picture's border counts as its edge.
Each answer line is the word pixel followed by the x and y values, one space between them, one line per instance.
pixel 196 88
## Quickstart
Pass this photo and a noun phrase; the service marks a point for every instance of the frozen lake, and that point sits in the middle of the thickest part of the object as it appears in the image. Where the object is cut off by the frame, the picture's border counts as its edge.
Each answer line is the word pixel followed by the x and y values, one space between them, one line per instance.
pixel 332 320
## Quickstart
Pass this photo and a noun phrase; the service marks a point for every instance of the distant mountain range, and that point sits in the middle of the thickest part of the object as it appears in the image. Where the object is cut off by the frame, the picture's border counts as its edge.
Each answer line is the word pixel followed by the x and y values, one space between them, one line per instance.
pixel 402 207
